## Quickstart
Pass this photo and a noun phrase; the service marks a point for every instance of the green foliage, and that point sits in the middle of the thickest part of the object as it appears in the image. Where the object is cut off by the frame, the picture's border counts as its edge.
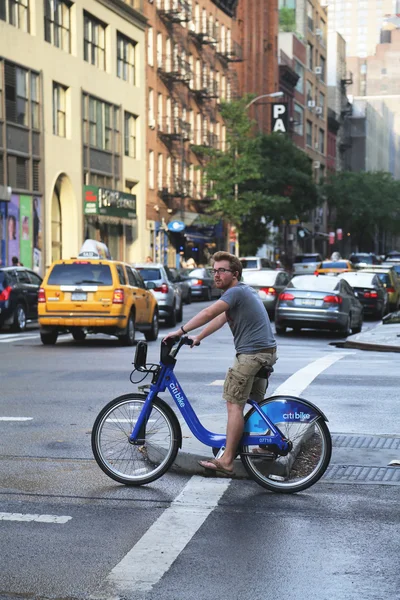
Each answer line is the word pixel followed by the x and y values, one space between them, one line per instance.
pixel 287 19
pixel 258 179
pixel 364 203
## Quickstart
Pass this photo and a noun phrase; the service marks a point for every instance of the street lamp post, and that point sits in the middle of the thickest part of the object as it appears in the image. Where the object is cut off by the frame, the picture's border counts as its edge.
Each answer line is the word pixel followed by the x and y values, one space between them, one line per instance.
pixel 273 95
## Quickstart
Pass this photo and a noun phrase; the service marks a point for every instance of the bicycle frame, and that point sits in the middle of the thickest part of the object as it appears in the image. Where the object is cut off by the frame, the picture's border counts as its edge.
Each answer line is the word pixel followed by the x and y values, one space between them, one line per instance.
pixel 167 380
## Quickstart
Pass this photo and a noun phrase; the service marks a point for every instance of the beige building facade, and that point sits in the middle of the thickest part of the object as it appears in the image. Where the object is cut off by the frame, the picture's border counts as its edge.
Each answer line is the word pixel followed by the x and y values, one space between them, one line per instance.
pixel 72 128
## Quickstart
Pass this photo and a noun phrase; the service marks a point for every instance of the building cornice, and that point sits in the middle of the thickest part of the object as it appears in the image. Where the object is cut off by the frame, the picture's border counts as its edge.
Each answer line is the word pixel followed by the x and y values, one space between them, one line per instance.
pixel 125 11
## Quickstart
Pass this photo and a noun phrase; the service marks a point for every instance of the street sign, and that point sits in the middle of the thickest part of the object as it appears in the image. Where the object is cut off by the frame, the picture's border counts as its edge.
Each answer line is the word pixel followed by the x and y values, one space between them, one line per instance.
pixel 279 117
pixel 176 226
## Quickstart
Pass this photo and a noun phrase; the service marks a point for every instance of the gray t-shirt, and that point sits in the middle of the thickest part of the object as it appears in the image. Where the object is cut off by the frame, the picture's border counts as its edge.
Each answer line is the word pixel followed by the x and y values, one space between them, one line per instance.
pixel 248 320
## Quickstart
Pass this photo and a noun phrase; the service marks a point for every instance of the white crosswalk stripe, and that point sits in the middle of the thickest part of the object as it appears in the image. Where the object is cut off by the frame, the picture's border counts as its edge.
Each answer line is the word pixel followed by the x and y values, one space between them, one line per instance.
pixel 34 518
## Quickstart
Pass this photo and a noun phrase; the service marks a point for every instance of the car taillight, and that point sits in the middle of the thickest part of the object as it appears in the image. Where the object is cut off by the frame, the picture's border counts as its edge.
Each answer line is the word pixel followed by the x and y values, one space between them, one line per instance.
pixel 162 288
pixel 41 295
pixel 286 296
pixel 333 299
pixel 268 290
pixel 197 282
pixel 370 294
pixel 118 297
pixel 390 290
pixel 5 294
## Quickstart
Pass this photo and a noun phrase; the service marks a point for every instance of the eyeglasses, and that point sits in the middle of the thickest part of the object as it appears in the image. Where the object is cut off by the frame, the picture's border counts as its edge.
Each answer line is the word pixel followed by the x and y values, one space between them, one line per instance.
pixel 221 271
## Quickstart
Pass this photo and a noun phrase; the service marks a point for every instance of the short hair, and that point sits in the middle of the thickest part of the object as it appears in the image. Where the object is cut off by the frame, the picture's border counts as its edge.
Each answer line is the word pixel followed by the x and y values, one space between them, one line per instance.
pixel 233 261
pixel 15 260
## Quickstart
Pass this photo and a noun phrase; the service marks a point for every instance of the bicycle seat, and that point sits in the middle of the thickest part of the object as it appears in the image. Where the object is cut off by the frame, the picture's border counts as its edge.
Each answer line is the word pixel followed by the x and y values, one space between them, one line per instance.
pixel 264 372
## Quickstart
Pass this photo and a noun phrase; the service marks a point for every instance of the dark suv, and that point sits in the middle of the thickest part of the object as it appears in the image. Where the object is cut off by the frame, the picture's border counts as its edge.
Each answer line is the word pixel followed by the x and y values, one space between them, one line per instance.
pixel 18 296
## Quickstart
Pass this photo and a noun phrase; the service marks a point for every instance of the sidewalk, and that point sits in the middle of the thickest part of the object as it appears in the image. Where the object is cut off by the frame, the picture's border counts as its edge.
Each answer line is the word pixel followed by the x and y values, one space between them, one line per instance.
pixel 382 338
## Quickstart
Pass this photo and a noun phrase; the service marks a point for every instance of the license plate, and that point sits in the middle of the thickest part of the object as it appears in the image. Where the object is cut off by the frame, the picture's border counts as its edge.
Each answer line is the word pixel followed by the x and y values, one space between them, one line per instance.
pixel 308 302
pixel 79 296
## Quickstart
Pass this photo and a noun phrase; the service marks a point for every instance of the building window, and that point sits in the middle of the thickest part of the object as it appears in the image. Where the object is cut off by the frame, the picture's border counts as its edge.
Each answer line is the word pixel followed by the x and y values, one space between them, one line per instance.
pixel 310 17
pixel 1 91
pixel 151 169
pixel 151 109
pixel 309 133
pixel 160 112
pixel 160 172
pixel 57 23
pixel 310 58
pixel 15 12
pixel 298 119
pixel 35 115
pixel 126 49
pixel 159 50
pixel 150 51
pixel 130 122
pixel 102 121
pixel 300 72
pixel 94 41
pixel 59 109
pixel 322 63
pixel 36 175
pixel 321 140
pixel 16 94
pixel 322 103
pixel 18 172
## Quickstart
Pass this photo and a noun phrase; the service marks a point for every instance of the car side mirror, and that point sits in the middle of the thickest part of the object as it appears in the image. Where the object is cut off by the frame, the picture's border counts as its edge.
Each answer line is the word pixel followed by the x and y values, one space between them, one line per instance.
pixel 150 285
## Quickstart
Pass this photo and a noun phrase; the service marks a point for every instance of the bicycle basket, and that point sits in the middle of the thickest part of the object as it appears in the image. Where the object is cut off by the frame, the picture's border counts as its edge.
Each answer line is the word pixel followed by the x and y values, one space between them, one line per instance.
pixel 140 356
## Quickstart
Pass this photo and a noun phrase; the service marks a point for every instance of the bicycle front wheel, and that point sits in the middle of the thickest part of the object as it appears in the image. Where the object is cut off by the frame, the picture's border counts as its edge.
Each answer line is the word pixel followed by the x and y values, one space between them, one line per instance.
pixel 145 460
pixel 311 445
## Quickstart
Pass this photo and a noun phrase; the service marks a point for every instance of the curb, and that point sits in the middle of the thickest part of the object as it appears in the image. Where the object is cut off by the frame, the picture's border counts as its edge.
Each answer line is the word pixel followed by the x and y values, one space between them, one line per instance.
pixel 367 346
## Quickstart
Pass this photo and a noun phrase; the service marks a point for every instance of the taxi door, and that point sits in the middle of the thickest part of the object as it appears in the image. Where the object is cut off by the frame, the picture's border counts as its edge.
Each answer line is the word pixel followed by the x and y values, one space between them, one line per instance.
pixel 136 296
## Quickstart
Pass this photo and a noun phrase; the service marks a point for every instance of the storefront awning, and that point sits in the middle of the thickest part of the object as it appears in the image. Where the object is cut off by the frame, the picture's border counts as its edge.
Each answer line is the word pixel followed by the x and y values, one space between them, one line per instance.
pixel 188 217
pixel 199 237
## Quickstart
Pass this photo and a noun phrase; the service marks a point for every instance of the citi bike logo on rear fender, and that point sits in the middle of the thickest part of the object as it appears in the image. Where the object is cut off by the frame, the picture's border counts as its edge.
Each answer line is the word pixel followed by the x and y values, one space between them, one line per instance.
pixel 296 416
pixel 177 394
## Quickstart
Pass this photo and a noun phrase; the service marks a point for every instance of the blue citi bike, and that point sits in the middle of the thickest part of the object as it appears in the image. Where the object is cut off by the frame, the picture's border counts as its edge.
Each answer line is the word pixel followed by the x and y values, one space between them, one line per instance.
pixel 286 444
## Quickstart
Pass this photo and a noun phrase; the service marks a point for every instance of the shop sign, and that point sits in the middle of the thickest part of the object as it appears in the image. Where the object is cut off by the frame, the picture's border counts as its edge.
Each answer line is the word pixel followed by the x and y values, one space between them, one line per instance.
pixel 280 117
pixel 176 226
pixel 112 203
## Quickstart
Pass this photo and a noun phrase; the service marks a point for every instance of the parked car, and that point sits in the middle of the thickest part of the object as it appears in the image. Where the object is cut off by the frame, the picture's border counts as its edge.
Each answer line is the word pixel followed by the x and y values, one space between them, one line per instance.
pixel 317 302
pixel 306 263
pixel 269 284
pixel 92 295
pixel 370 291
pixel 184 283
pixel 19 289
pixel 364 259
pixel 394 263
pixel 391 282
pixel 167 293
pixel 256 263
pixel 202 282
pixel 334 266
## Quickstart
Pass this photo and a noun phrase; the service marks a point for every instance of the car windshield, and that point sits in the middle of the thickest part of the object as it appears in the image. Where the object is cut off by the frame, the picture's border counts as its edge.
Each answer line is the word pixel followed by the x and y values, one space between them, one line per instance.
pixel 259 278
pixel 249 263
pixel 149 274
pixel 307 259
pixel 396 267
pixel 384 277
pixel 367 259
pixel 80 273
pixel 314 283
pixel 334 265
pixel 358 279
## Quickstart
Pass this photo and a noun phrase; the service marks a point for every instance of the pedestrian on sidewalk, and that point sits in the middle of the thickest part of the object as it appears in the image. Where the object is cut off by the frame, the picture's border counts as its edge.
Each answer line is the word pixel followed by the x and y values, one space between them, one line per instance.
pixel 240 307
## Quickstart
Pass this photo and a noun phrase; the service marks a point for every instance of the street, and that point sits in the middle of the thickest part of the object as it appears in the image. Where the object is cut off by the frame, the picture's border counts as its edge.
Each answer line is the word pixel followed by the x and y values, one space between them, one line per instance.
pixel 67 531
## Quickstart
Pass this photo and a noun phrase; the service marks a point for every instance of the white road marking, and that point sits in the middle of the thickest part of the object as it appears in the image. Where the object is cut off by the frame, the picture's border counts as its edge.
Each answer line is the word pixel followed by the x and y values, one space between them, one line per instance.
pixel 217 382
pixel 36 518
pixel 17 338
pixel 156 551
pixel 299 381
pixel 16 418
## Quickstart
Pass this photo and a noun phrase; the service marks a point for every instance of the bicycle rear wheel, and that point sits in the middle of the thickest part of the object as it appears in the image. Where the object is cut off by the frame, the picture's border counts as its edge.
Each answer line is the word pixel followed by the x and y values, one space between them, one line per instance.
pixel 143 462
pixel 304 426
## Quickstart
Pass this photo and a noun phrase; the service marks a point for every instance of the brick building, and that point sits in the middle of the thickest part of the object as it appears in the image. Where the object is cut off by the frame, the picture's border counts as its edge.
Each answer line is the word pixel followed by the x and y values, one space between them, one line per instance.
pixel 191 50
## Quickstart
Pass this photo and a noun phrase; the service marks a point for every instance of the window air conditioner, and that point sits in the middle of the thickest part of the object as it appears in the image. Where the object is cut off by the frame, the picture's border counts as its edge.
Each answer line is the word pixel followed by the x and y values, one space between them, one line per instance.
pixel 316 146
pixel 316 164
pixel 318 110
pixel 318 32
pixel 311 104
pixel 318 70
pixel 152 123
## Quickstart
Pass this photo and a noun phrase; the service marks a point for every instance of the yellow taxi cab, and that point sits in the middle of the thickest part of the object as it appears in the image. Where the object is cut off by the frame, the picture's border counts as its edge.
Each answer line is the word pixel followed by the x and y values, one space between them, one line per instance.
pixel 390 281
pixel 334 266
pixel 94 294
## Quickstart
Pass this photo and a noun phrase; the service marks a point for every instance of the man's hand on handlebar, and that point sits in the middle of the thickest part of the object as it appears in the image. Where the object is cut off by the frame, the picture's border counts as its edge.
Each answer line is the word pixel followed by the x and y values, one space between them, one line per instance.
pixel 174 334
pixel 194 339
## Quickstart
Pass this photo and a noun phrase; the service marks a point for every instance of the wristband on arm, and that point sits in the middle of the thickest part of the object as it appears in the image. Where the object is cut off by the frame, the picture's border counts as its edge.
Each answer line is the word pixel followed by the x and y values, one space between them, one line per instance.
pixel 185 332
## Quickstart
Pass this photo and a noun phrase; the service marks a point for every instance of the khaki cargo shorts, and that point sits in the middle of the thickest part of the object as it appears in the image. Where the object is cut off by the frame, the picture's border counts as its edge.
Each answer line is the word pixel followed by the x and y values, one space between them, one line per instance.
pixel 241 383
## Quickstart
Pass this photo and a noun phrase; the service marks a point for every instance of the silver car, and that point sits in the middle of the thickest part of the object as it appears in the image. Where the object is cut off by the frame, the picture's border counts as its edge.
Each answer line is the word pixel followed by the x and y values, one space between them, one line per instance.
pixel 268 283
pixel 319 302
pixel 168 293
pixel 305 264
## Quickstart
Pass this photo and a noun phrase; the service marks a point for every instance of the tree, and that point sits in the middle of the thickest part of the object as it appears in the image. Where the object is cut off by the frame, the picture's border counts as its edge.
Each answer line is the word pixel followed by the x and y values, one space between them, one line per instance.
pixel 287 19
pixel 365 204
pixel 257 179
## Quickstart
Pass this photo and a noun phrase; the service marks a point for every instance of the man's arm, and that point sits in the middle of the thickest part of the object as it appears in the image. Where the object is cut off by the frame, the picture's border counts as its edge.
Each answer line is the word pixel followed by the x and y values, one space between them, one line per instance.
pixel 205 316
pixel 212 327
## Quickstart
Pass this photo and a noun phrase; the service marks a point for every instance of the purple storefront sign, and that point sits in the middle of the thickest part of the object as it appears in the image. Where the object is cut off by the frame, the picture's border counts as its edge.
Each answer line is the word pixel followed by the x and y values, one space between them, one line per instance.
pixel 3 232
